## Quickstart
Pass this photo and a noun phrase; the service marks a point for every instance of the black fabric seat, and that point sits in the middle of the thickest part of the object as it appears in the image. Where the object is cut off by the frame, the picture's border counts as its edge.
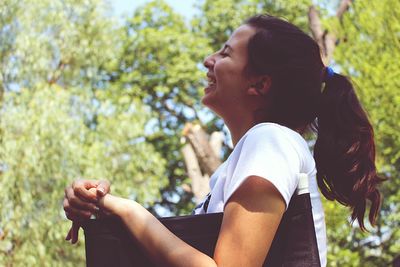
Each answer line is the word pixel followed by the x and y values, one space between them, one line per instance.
pixel 108 243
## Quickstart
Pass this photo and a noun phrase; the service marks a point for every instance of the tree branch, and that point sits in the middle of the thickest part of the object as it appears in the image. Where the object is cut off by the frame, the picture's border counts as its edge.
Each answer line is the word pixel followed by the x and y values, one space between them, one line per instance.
pixel 326 40
pixel 197 137
pixel 201 159
pixel 315 25
pixel 200 186
pixel 343 7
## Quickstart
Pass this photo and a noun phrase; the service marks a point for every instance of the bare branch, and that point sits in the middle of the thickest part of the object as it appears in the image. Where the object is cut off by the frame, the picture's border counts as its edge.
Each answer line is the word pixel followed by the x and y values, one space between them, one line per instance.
pixel 343 7
pixel 199 184
pixel 326 40
pixel 197 137
pixel 216 140
pixel 329 47
pixel 315 24
pixel 201 158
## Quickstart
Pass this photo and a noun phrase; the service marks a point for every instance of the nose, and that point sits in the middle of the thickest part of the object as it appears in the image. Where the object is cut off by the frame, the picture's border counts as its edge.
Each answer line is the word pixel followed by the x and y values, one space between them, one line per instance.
pixel 209 61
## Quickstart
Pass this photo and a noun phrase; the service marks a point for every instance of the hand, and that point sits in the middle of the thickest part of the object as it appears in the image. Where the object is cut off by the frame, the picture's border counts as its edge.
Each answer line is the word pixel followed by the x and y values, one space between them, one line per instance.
pixel 80 203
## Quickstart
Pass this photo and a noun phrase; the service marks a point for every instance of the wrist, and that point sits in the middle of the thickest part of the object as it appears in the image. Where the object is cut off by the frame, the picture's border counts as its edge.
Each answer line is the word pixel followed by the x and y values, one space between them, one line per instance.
pixel 125 208
pixel 117 206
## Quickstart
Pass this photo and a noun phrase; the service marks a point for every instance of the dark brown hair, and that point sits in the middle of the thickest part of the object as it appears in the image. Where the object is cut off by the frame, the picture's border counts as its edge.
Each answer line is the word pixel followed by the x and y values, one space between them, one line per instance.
pixel 303 96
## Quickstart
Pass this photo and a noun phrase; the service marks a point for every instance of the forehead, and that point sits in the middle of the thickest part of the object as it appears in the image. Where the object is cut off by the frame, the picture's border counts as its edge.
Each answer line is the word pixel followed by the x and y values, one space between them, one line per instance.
pixel 240 37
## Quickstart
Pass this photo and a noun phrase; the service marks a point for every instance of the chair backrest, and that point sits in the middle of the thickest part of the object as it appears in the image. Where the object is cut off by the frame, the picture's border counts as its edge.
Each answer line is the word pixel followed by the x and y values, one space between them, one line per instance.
pixel 108 243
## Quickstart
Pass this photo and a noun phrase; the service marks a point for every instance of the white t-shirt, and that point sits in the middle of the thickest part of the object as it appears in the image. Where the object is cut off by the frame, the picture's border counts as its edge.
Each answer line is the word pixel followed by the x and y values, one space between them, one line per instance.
pixel 278 154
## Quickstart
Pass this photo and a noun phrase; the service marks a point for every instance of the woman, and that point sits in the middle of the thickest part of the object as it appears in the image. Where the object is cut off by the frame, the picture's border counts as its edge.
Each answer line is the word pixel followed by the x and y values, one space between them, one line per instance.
pixel 269 85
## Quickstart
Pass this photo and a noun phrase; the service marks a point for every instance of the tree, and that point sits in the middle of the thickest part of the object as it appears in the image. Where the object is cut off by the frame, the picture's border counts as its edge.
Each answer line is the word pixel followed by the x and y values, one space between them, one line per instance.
pixel 81 96
pixel 369 52
pixel 59 123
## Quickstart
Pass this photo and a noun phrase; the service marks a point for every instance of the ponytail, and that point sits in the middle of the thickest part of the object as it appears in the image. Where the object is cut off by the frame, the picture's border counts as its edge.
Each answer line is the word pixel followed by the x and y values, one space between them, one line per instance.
pixel 345 151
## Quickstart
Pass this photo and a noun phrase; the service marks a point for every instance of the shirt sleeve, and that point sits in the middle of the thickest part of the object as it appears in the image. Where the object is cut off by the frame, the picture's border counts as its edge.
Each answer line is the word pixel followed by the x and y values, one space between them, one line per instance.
pixel 269 153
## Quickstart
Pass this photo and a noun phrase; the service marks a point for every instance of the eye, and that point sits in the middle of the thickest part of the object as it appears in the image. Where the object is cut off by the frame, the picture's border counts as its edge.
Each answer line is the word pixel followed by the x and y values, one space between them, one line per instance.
pixel 223 53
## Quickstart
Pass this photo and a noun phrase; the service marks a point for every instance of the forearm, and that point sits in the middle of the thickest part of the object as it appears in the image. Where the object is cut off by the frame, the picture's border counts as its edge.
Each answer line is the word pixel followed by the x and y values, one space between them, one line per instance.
pixel 161 245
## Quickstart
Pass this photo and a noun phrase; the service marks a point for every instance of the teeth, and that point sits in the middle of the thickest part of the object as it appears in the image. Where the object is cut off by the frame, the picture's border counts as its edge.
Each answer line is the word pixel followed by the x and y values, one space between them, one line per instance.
pixel 211 81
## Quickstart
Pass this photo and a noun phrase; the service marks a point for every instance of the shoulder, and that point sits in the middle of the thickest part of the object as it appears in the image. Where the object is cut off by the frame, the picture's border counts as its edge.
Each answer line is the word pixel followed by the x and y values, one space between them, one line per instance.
pixel 273 131
pixel 265 129
pixel 274 139
pixel 275 136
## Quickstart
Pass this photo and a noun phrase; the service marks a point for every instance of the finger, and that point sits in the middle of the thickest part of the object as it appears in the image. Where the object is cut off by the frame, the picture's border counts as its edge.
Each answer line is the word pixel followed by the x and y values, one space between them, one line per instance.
pixel 71 203
pixel 68 237
pixel 103 188
pixel 85 183
pixel 80 188
pixel 90 183
pixel 75 232
pixel 73 214
pixel 67 190
pixel 77 203
pixel 74 218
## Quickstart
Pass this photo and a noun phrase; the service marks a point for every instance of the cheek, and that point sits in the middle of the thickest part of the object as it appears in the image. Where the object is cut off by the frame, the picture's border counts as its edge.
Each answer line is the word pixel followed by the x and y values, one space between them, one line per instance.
pixel 229 75
pixel 223 70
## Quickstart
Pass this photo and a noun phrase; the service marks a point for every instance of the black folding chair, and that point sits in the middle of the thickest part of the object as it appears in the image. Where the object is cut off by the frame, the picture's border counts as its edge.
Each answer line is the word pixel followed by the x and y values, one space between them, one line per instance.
pixel 108 243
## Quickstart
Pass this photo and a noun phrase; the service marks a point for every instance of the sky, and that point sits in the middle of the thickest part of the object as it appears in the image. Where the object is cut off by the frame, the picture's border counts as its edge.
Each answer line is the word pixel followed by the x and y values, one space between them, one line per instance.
pixel 126 7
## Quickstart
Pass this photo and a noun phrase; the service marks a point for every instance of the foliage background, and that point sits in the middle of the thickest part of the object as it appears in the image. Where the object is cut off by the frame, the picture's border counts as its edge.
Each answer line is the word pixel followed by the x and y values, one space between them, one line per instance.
pixel 83 96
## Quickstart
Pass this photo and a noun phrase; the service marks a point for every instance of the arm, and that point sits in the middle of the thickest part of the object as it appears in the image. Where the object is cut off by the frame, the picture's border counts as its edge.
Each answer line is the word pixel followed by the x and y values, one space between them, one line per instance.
pixel 251 218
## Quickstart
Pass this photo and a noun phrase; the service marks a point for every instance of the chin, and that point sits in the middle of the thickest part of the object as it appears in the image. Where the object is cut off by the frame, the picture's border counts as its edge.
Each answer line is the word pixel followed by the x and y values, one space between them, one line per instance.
pixel 208 101
pixel 212 105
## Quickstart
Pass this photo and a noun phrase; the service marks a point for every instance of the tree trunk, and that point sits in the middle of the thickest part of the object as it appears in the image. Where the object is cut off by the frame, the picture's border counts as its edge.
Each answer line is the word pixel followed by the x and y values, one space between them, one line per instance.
pixel 200 154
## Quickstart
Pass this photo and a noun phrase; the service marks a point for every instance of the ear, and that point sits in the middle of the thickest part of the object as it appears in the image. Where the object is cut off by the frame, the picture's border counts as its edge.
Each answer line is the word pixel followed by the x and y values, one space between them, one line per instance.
pixel 261 87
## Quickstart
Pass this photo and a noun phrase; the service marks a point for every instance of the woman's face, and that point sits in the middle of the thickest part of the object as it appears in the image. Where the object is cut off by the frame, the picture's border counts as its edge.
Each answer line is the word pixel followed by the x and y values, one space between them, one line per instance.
pixel 226 91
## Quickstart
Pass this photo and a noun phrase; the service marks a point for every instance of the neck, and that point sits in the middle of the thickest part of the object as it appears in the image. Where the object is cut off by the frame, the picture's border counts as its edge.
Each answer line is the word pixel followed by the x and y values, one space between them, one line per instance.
pixel 238 129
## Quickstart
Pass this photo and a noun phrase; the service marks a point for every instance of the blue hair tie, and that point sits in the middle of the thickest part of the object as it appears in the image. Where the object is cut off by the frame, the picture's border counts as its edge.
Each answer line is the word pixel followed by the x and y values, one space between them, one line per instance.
pixel 329 72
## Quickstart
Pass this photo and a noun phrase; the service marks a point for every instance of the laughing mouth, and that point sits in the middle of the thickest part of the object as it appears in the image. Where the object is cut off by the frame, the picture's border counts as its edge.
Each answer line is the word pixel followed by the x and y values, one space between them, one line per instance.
pixel 211 81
